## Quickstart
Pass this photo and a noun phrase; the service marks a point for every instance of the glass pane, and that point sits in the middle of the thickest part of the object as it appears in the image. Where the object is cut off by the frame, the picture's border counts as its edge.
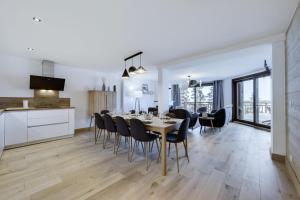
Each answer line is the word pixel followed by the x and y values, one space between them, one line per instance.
pixel 204 97
pixel 187 99
pixel 263 105
pixel 245 100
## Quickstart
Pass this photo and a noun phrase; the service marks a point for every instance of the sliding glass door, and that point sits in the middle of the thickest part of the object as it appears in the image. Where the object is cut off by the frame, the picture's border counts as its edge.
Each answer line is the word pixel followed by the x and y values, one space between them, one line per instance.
pixel 245 101
pixel 252 99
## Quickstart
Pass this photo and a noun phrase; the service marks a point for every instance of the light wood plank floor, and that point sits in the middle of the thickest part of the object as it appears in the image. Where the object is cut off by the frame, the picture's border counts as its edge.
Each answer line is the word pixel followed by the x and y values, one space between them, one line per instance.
pixel 232 164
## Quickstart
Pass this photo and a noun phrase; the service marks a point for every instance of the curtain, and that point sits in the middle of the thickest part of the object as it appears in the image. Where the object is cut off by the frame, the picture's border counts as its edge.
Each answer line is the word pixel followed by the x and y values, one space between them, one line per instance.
pixel 218 98
pixel 176 95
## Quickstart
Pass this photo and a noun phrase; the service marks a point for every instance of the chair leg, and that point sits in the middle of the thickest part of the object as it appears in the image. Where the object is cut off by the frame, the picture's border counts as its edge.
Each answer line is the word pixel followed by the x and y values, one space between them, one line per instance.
pixel 177 157
pixel 143 148
pixel 146 150
pixel 132 150
pixel 95 134
pixel 115 143
pixel 118 142
pixel 201 130
pixel 186 150
pixel 159 152
pixel 99 136
pixel 169 149
pixel 105 139
pixel 129 147
pixel 150 149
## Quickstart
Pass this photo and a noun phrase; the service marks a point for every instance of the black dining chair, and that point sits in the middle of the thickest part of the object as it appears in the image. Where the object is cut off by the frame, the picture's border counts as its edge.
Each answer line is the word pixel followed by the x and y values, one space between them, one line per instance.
pixel 103 112
pixel 178 137
pixel 123 130
pixel 99 126
pixel 140 134
pixel 110 128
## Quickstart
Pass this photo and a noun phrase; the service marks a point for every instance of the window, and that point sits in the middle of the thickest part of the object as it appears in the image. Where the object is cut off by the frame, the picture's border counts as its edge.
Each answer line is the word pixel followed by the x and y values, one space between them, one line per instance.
pixel 196 97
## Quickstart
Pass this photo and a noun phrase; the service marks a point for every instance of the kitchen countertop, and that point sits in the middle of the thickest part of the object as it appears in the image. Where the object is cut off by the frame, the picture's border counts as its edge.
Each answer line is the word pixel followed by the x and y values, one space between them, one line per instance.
pixel 32 108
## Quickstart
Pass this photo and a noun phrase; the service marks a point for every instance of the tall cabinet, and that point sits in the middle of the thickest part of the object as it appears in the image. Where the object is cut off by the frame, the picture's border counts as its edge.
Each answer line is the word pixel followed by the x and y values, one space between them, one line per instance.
pixel 101 100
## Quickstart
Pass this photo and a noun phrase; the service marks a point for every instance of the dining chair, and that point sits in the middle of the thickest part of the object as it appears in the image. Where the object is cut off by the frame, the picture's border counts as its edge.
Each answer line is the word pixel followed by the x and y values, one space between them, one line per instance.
pixel 139 133
pixel 110 128
pixel 178 137
pixel 103 112
pixel 99 126
pixel 123 130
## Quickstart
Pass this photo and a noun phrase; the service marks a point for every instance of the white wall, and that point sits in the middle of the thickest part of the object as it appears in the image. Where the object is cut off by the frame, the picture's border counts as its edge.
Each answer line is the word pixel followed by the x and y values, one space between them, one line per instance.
pixel 278 138
pixel 14 82
pixel 14 75
pixel 78 82
pixel 133 84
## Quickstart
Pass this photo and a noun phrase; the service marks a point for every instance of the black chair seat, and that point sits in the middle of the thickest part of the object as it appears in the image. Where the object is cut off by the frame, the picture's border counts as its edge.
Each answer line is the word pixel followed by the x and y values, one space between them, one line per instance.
pixel 172 137
pixel 151 138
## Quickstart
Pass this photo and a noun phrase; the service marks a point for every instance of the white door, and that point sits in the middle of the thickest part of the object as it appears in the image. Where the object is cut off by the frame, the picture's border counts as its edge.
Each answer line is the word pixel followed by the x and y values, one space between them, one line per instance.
pixel 15 127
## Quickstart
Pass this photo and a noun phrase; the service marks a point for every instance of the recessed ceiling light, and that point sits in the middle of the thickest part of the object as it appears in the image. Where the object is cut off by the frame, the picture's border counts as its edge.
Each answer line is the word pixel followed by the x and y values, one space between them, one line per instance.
pixel 30 49
pixel 36 19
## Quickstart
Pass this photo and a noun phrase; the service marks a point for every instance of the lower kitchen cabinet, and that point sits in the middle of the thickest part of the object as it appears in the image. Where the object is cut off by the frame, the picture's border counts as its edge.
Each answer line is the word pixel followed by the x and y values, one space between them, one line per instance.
pixel 15 127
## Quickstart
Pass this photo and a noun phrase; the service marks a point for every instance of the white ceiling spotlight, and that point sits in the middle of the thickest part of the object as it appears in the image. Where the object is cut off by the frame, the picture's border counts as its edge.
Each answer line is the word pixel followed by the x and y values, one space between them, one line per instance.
pixel 36 19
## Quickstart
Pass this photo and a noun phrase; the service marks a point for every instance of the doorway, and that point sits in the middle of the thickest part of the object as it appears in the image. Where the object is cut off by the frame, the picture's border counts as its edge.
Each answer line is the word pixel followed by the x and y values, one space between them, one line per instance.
pixel 252 99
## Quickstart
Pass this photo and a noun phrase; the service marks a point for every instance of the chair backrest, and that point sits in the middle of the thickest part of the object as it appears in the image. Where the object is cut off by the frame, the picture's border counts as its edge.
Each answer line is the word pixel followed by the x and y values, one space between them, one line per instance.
pixel 138 130
pixel 220 118
pixel 183 130
pixel 202 110
pixel 132 111
pixel 172 115
pixel 152 109
pixel 109 123
pixel 103 112
pixel 99 121
pixel 122 126
pixel 181 113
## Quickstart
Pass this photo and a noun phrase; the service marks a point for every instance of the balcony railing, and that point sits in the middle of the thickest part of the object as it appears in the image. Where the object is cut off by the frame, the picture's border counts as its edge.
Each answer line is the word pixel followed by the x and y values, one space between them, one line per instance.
pixel 190 106
pixel 246 112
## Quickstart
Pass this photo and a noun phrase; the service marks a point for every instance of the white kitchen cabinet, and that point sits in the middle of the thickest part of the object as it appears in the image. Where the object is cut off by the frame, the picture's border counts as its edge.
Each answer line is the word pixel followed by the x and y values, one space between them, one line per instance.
pixel 1 133
pixel 15 126
pixel 71 121
pixel 48 131
pixel 44 117
pixel 22 127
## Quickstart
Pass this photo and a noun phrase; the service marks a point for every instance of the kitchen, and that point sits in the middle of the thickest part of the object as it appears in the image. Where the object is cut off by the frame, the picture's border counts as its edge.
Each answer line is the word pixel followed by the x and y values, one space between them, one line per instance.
pixel 43 117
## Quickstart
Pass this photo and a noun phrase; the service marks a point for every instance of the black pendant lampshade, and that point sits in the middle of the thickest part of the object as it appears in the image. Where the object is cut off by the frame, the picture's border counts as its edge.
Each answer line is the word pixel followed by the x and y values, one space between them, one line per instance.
pixel 125 73
pixel 141 69
pixel 132 69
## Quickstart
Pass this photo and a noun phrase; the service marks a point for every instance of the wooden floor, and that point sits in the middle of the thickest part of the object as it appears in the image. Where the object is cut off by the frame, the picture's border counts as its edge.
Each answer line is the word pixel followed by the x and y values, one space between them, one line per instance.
pixel 232 164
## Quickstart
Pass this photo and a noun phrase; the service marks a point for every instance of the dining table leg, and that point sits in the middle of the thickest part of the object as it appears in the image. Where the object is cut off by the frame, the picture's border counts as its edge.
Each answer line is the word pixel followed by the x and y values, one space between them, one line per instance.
pixel 164 159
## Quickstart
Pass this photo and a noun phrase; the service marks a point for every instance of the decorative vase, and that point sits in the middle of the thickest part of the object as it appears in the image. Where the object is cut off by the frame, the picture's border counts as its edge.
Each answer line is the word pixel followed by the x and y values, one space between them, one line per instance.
pixel 115 88
pixel 103 84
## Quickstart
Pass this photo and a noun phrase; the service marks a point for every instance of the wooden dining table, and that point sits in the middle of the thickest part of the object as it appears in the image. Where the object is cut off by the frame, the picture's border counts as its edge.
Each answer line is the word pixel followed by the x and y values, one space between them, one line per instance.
pixel 162 126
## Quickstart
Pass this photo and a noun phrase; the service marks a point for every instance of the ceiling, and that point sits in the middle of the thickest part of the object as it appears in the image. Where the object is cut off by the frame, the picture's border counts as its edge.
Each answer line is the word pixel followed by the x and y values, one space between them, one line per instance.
pixel 99 34
pixel 222 66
